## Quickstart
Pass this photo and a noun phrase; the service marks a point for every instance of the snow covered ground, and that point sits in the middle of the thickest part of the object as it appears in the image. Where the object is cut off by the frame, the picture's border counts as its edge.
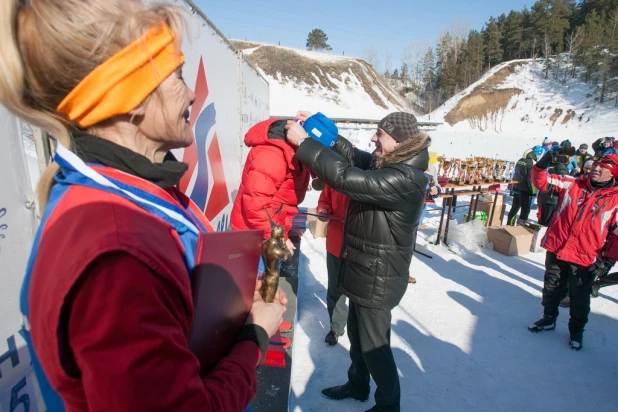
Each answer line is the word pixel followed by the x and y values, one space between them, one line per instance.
pixel 460 338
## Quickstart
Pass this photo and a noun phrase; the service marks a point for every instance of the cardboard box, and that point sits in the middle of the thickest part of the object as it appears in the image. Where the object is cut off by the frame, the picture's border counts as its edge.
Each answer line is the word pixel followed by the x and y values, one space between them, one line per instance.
pixel 510 240
pixel 538 232
pixel 317 228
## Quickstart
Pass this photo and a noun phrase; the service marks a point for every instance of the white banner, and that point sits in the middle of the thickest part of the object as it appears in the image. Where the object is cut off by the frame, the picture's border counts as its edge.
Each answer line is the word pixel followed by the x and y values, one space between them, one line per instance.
pixel 18 390
pixel 230 97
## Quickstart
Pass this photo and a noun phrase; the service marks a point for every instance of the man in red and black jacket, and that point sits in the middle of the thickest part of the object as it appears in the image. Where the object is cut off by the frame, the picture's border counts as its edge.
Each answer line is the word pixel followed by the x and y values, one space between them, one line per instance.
pixel 334 204
pixel 581 242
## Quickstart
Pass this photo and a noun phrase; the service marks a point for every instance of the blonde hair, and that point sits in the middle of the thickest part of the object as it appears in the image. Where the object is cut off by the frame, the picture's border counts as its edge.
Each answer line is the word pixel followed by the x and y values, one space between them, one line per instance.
pixel 48 47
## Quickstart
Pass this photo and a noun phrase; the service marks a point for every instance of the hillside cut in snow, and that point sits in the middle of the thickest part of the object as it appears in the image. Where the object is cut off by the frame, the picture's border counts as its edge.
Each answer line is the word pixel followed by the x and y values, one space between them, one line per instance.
pixel 513 107
pixel 341 87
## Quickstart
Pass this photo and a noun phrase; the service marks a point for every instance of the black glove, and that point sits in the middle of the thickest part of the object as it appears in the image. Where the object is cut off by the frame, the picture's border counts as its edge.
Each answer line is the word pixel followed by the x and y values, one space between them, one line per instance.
pixel 600 269
pixel 545 160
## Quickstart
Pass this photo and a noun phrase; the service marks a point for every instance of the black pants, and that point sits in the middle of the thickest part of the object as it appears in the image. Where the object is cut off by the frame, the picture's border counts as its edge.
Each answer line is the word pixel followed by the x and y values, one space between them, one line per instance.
pixel 547 213
pixel 335 299
pixel 523 201
pixel 560 275
pixel 369 331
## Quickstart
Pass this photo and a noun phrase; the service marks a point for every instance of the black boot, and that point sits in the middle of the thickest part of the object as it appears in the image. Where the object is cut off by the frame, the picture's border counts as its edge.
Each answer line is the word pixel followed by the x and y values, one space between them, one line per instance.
pixel 384 409
pixel 332 337
pixel 577 340
pixel 346 391
pixel 545 323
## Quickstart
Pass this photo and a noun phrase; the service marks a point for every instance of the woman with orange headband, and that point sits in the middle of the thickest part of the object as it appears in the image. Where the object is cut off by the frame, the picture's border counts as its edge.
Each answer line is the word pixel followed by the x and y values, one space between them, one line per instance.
pixel 107 300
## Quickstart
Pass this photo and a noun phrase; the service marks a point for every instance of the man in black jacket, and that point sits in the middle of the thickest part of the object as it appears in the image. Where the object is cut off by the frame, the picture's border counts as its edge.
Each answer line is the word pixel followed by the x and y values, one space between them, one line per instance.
pixel 387 192
pixel 523 190
pixel 549 200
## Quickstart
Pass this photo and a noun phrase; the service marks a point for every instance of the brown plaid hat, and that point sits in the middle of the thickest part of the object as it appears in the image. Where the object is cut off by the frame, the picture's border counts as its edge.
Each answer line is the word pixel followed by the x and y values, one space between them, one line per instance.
pixel 401 126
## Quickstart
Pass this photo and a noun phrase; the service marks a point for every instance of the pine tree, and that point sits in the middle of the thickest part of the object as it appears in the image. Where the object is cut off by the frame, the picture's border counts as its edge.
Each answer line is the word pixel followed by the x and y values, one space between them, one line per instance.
pixel 316 40
pixel 512 40
pixel 553 17
pixel 493 48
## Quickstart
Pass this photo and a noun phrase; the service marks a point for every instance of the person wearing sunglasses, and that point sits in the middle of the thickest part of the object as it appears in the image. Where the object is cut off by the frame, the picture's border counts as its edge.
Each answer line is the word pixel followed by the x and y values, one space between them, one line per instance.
pixel 581 242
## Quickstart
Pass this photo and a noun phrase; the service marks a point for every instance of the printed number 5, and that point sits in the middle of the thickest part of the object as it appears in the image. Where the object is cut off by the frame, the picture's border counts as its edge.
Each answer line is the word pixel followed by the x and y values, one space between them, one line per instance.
pixel 16 399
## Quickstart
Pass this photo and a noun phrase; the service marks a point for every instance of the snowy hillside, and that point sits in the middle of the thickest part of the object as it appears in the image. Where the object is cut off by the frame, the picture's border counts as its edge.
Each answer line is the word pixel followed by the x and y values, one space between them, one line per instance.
pixel 513 107
pixel 342 87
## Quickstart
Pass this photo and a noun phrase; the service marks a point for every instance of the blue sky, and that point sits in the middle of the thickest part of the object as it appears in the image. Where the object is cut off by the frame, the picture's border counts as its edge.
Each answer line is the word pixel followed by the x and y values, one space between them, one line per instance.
pixel 352 26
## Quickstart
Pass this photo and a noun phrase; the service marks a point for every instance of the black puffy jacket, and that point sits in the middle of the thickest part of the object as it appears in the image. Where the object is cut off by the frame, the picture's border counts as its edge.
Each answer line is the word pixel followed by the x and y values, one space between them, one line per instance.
pixel 523 174
pixel 383 214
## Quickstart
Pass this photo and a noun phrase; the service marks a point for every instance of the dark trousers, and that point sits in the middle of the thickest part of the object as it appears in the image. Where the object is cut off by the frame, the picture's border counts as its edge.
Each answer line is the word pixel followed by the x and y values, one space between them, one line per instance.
pixel 560 276
pixel 335 299
pixel 369 331
pixel 547 213
pixel 523 201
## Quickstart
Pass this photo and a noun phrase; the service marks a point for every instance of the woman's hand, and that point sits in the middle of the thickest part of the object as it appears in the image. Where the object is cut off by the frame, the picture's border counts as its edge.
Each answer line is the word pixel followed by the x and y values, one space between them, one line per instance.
pixel 295 133
pixel 267 315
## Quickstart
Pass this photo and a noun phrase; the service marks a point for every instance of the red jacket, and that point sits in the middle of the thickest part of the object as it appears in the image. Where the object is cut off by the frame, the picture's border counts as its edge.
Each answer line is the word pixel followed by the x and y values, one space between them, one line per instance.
pixel 336 204
pixel 110 311
pixel 273 179
pixel 584 225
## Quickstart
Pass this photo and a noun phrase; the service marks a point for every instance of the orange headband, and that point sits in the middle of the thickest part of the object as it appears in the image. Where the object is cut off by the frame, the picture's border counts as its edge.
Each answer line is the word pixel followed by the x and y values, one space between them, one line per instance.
pixel 121 83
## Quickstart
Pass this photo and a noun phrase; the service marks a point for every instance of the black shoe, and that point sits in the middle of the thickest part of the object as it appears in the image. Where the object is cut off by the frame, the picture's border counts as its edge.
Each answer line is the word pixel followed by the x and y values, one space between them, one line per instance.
pixel 332 337
pixel 545 323
pixel 377 408
pixel 346 391
pixel 577 340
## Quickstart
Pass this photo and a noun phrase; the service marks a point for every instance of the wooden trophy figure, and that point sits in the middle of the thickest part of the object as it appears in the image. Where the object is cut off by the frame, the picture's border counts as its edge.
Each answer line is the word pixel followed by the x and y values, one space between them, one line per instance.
pixel 274 251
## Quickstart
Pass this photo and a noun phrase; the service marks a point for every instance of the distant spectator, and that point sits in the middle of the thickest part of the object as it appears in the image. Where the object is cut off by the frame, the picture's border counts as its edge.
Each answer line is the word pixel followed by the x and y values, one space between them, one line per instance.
pixel 546 145
pixel 581 157
pixel 603 146
pixel 549 199
pixel 523 190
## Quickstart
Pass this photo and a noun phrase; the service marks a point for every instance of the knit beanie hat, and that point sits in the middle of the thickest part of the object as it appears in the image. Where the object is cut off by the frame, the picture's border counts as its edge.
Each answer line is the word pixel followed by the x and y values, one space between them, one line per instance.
pixel 401 126
pixel 566 144
pixel 546 141
pixel 322 129
pixel 583 146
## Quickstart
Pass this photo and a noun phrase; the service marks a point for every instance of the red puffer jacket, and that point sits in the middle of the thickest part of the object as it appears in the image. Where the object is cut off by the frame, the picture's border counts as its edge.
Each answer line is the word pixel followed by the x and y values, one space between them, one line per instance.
pixel 336 204
pixel 584 226
pixel 273 179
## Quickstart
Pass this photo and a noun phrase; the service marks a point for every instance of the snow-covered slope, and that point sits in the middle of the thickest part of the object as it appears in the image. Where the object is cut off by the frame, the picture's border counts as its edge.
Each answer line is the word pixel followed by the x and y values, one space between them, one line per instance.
pixel 338 86
pixel 514 107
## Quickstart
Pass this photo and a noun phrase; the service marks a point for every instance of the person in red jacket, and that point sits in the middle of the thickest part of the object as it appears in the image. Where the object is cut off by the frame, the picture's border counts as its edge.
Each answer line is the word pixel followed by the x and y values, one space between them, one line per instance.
pixel 581 241
pixel 334 204
pixel 273 184
pixel 106 300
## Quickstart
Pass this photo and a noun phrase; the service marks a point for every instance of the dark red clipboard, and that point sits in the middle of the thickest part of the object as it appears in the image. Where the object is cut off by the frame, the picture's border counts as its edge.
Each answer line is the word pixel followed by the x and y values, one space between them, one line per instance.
pixel 223 284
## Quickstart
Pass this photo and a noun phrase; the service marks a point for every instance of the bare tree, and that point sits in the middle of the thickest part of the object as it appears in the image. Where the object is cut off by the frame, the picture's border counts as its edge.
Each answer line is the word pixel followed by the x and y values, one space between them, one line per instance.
pixel 412 56
pixel 388 61
pixel 459 32
pixel 372 56
pixel 573 41
pixel 546 54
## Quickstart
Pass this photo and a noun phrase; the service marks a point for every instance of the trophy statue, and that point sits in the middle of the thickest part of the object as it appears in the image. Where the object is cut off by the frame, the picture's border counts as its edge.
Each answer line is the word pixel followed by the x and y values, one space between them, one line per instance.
pixel 274 251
